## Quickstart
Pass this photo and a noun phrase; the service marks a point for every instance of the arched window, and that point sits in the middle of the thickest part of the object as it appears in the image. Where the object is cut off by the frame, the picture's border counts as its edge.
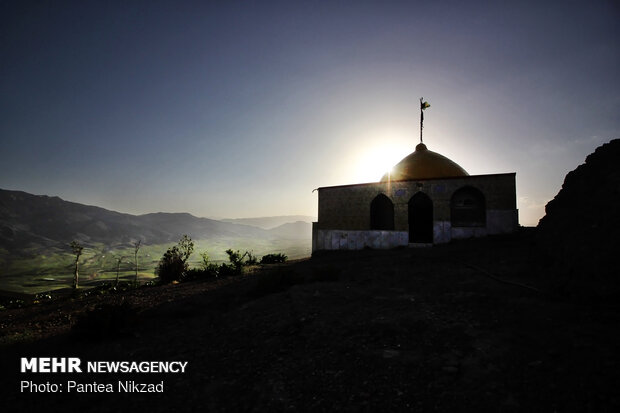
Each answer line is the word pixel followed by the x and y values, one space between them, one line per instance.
pixel 382 213
pixel 468 208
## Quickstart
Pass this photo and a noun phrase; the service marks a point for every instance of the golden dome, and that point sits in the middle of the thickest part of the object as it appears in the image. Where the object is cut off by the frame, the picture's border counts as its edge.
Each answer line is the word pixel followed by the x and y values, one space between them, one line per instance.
pixel 424 164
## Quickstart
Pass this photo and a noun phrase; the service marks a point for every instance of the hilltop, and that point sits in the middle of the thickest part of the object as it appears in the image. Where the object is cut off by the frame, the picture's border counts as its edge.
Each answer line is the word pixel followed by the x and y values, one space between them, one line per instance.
pixel 472 325
pixel 502 323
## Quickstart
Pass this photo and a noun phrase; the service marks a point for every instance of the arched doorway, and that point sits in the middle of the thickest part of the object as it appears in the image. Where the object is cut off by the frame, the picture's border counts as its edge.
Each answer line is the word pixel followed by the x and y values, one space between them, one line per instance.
pixel 382 213
pixel 420 218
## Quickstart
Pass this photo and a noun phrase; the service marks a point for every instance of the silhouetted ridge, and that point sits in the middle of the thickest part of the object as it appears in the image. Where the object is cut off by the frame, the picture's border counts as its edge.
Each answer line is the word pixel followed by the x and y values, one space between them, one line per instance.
pixel 38 221
pixel 580 228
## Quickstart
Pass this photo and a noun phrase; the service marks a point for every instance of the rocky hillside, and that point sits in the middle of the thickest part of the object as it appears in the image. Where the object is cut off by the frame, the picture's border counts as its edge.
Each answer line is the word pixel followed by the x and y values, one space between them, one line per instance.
pixel 443 329
pixel 293 230
pixel 37 221
pixel 580 228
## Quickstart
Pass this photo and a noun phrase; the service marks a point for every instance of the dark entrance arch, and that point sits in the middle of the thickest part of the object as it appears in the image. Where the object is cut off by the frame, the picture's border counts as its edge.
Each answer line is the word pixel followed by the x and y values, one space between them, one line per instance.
pixel 468 208
pixel 382 213
pixel 420 218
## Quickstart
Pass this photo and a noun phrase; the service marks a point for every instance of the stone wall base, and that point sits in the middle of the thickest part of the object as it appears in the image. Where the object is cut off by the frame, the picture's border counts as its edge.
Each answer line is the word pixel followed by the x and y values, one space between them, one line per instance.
pixel 333 239
pixel 498 222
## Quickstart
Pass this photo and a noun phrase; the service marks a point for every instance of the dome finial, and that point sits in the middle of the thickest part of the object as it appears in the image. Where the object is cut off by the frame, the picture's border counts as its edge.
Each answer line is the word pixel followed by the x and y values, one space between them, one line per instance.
pixel 423 105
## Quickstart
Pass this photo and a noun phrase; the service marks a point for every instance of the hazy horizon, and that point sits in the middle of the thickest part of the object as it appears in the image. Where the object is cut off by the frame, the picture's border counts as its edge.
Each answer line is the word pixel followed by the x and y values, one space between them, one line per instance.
pixel 239 110
pixel 173 212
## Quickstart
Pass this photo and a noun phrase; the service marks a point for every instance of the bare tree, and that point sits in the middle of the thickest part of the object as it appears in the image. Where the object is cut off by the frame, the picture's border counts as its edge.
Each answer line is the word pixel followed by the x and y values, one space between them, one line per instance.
pixel 77 248
pixel 118 266
pixel 136 246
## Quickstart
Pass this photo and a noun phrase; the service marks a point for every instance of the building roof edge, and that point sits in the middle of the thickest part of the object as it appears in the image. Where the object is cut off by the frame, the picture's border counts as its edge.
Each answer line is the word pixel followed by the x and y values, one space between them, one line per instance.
pixel 416 180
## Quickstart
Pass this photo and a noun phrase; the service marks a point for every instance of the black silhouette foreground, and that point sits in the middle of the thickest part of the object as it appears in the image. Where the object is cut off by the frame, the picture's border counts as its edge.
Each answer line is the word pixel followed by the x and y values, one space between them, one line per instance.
pixel 370 330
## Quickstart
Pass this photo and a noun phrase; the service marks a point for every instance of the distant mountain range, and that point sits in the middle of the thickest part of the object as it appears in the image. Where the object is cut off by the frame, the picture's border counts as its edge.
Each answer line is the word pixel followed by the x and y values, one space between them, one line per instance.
pixel 271 222
pixel 34 222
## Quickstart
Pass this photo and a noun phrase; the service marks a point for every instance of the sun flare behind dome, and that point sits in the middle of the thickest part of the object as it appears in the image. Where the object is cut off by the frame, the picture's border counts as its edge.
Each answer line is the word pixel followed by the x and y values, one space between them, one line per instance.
pixel 424 164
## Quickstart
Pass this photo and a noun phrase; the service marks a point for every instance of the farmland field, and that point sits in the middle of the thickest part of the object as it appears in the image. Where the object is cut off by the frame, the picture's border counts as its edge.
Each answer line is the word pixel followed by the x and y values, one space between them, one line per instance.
pixel 53 269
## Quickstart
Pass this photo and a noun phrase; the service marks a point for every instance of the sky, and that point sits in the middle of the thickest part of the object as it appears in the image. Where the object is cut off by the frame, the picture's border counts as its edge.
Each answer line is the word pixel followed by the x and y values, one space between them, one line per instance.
pixel 240 109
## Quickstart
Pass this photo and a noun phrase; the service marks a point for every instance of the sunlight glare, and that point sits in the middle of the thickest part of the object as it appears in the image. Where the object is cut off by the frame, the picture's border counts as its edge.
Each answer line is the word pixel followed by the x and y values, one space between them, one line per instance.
pixel 374 162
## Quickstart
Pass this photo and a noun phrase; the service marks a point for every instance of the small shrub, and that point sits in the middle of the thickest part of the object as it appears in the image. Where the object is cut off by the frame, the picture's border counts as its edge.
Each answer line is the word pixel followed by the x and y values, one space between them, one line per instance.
pixel 252 259
pixel 273 258
pixel 173 265
pixel 236 262
pixel 235 258
pixel 210 271
pixel 205 260
pixel 228 270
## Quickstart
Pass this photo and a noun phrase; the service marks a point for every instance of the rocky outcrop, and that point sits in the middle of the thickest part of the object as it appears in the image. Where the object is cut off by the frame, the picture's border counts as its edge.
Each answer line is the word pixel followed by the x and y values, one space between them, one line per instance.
pixel 581 228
